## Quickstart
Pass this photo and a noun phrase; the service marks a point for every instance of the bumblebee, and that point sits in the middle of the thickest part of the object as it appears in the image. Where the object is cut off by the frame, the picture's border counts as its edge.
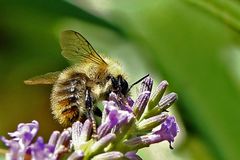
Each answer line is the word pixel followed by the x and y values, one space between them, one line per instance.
pixel 78 88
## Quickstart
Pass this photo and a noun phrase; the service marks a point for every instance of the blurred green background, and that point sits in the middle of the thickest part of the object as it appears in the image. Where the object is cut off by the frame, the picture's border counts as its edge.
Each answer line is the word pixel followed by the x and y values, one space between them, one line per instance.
pixel 194 44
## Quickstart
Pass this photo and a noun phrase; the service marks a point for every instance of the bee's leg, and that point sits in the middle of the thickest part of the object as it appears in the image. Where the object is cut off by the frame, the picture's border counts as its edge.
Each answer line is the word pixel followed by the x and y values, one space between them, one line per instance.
pixel 90 113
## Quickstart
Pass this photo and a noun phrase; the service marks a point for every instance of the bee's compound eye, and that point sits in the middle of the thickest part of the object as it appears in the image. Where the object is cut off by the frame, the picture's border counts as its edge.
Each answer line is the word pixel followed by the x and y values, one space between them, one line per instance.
pixel 123 85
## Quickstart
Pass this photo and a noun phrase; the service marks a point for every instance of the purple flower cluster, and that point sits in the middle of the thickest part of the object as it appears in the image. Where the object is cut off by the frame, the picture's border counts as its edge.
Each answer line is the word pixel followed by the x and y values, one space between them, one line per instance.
pixel 126 126
pixel 21 145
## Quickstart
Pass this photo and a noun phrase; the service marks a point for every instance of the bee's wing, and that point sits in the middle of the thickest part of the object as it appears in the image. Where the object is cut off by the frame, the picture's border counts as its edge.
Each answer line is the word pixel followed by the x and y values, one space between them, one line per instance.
pixel 48 78
pixel 77 49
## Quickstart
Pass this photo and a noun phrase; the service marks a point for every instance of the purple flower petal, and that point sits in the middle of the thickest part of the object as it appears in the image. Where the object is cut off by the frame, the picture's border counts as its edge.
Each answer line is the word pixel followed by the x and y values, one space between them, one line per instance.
pixel 121 102
pixel 111 121
pixel 15 151
pixel 108 106
pixel 26 139
pixel 168 130
pixel 115 118
pixel 38 149
pixel 21 139
pixel 124 118
pixel 25 133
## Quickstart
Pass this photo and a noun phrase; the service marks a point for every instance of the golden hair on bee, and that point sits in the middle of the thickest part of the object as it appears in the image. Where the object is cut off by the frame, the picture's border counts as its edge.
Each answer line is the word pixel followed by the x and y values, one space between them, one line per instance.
pixel 115 68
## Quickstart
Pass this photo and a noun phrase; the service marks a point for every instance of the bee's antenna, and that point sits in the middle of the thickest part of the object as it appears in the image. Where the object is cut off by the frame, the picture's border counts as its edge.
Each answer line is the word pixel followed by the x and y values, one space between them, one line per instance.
pixel 137 82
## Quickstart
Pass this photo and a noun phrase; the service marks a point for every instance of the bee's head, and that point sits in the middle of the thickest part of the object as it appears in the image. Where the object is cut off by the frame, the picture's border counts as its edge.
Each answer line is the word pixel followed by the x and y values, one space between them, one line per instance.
pixel 116 76
pixel 119 85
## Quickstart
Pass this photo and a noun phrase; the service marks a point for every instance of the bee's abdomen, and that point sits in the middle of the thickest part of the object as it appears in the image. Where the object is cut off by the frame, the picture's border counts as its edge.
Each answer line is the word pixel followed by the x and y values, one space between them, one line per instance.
pixel 68 98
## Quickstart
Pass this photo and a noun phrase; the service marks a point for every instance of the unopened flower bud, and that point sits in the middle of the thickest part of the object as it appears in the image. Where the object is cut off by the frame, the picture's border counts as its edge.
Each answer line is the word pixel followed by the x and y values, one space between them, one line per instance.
pixel 54 137
pixel 150 123
pixel 76 133
pixel 140 104
pixel 146 84
pixel 167 101
pixel 132 156
pixel 63 139
pixel 157 95
pixel 114 155
pixel 102 143
pixel 86 131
